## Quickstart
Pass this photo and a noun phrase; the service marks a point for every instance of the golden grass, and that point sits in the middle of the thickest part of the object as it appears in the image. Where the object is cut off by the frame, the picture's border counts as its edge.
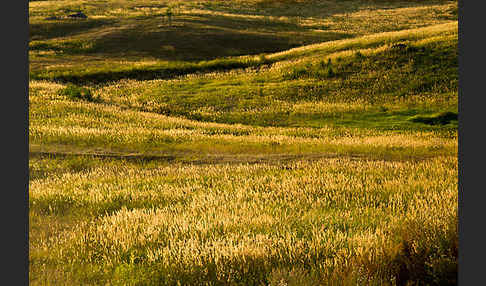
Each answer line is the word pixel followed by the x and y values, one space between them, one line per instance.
pixel 224 218
pixel 87 125
pixel 409 34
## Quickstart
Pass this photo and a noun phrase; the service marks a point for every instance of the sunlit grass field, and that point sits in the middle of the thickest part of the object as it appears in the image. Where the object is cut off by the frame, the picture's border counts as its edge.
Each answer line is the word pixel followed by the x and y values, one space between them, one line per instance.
pixel 250 142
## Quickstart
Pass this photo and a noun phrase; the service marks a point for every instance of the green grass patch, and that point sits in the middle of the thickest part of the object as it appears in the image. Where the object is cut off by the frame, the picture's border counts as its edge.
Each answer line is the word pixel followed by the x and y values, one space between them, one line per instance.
pixel 77 92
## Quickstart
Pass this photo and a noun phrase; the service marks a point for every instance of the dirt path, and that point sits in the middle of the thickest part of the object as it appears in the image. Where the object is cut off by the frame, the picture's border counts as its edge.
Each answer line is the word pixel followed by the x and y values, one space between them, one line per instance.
pixel 197 158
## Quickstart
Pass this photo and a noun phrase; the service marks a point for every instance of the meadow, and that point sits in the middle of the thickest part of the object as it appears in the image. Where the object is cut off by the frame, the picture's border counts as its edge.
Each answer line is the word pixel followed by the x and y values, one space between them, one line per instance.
pixel 246 142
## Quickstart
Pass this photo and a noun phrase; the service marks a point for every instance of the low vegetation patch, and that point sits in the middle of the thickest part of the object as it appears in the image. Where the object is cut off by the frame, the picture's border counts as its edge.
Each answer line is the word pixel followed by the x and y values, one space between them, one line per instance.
pixel 77 92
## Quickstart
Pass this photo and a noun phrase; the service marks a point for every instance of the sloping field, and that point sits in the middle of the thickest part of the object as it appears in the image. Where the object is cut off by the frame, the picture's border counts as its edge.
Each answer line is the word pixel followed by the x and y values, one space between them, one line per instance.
pixel 333 163
pixel 134 39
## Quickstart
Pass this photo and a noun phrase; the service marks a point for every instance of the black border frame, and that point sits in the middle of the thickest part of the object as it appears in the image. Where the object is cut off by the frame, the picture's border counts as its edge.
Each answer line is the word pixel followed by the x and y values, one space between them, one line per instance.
pixel 470 158
pixel 15 80
pixel 15 25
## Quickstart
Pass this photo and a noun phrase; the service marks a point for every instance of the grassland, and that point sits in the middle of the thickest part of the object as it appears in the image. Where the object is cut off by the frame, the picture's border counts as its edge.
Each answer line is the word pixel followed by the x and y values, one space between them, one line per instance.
pixel 252 143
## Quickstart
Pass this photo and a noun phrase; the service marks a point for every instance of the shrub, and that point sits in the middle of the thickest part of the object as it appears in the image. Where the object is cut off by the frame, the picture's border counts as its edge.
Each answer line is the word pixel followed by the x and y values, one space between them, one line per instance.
pixel 77 92
pixel 330 72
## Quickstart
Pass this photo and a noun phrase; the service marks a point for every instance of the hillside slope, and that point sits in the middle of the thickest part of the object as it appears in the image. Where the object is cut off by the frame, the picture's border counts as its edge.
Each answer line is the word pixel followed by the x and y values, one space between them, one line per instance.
pixel 332 163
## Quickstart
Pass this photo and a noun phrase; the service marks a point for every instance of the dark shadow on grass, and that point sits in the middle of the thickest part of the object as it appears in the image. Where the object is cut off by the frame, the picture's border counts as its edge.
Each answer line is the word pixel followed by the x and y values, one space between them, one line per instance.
pixel 64 27
pixel 436 119
pixel 190 38
pixel 206 37
pixel 105 76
